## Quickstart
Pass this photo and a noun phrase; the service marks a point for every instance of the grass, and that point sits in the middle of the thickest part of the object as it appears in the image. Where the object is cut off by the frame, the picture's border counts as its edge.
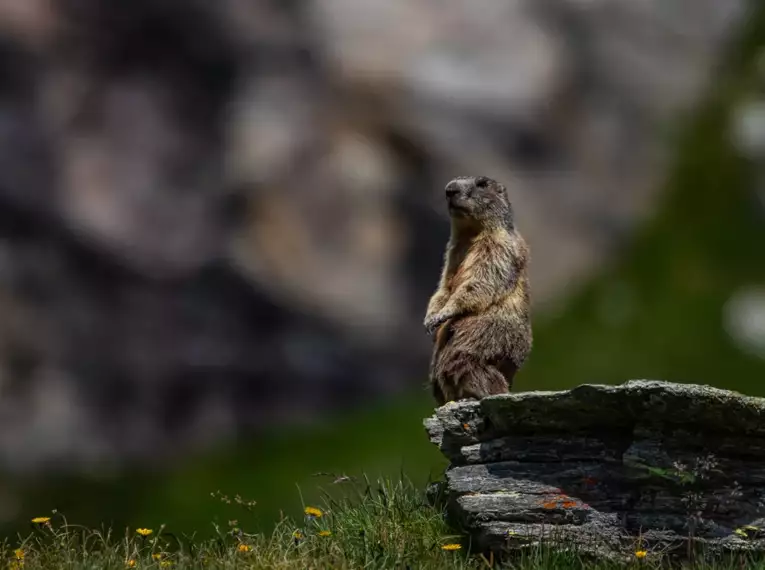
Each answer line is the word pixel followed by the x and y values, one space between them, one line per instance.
pixel 386 524
pixel 382 525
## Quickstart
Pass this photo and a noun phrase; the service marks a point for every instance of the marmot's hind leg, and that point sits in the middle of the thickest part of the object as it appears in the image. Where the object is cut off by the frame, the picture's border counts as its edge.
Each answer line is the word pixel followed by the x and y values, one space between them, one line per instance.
pixel 481 381
pixel 469 378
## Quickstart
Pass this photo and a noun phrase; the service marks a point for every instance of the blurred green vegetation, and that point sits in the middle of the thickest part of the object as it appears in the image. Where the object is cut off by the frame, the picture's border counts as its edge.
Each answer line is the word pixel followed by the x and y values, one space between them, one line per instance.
pixel 669 285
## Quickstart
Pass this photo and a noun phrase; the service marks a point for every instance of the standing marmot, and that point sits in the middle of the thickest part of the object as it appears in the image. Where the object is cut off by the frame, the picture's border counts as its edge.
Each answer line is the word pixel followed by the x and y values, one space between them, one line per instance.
pixel 480 312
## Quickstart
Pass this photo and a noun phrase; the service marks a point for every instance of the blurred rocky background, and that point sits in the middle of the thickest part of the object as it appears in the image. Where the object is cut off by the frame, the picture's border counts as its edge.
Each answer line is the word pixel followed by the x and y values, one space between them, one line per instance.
pixel 222 220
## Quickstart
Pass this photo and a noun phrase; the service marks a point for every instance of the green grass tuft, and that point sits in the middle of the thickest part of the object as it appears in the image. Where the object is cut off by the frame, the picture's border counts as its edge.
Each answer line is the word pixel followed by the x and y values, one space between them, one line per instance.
pixel 386 524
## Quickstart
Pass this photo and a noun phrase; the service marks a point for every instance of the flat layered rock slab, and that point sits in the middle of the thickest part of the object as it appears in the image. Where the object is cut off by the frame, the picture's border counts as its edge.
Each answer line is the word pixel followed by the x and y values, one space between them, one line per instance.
pixel 645 465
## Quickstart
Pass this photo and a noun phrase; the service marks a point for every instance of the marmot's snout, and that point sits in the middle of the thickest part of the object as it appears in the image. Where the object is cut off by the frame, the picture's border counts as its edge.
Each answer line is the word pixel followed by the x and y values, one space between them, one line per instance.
pixel 459 186
pixel 458 193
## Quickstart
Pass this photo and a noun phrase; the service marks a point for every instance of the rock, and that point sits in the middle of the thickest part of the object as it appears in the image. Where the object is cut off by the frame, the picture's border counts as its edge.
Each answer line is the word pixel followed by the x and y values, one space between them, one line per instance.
pixel 609 470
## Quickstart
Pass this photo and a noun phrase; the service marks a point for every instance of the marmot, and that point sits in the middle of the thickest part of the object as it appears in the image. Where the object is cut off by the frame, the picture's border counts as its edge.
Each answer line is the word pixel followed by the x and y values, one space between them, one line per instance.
pixel 480 312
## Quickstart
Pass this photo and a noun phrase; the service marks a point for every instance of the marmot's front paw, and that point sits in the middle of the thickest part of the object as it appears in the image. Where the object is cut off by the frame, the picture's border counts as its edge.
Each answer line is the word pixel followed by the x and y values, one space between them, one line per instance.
pixel 433 322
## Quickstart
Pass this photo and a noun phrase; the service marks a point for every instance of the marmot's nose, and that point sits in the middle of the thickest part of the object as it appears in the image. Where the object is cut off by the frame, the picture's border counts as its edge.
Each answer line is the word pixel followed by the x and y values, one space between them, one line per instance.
pixel 458 185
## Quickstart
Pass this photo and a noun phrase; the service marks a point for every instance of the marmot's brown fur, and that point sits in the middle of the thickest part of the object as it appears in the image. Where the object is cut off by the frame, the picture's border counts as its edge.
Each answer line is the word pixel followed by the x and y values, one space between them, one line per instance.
pixel 480 312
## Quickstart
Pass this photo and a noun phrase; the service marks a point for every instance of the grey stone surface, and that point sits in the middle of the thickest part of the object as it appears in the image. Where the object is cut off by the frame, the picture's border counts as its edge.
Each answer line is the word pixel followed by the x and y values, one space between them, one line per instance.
pixel 645 465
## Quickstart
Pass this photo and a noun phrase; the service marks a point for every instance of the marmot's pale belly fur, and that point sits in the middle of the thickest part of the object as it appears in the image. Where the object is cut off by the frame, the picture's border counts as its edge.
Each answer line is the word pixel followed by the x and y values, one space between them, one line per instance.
pixel 480 312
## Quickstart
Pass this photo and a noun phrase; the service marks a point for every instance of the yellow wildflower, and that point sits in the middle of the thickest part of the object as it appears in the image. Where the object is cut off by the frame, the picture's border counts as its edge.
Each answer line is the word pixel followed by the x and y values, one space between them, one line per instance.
pixel 297 535
pixel 41 520
pixel 640 554
pixel 165 563
pixel 313 512
pixel 451 547
pixel 144 531
pixel 244 548
pixel 157 556
pixel 131 563
pixel 19 554
pixel 325 533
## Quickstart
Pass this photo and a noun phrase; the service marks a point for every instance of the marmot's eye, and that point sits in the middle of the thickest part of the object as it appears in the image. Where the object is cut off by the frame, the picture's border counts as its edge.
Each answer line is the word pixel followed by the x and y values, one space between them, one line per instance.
pixel 481 182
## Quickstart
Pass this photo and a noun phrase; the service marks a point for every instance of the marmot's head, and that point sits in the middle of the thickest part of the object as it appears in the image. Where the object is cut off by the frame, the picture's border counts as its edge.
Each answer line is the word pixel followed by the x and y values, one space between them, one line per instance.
pixel 479 199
